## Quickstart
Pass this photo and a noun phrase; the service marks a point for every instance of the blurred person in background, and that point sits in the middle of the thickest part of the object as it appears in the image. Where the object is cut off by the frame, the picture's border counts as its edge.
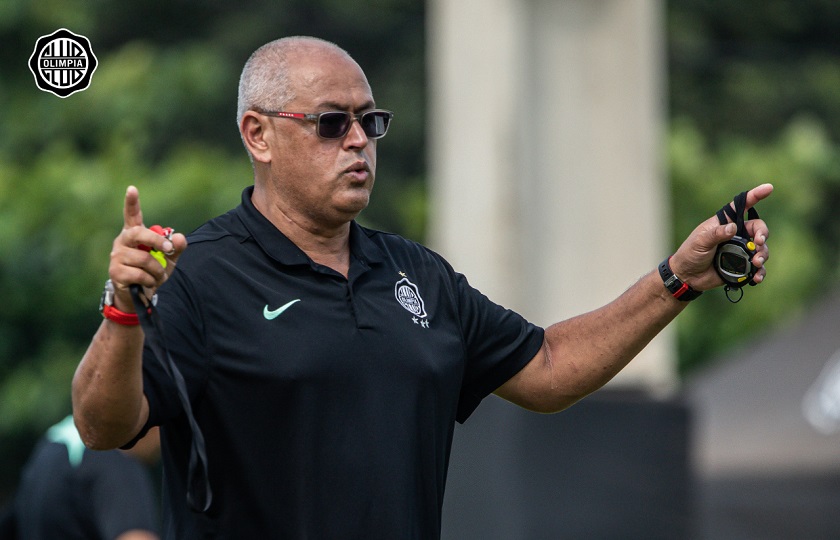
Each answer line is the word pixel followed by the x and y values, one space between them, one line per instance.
pixel 69 492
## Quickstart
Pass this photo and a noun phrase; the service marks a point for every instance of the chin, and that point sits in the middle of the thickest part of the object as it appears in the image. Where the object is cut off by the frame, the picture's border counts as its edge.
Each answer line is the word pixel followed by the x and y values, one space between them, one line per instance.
pixel 356 201
pixel 355 210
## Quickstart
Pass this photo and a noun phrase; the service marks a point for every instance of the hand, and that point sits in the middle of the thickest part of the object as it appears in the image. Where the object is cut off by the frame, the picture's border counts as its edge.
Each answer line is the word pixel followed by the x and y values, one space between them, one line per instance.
pixel 693 261
pixel 131 265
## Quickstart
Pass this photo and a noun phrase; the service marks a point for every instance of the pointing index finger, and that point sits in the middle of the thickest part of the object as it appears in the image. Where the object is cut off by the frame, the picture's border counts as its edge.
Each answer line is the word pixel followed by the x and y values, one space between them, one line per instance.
pixel 132 215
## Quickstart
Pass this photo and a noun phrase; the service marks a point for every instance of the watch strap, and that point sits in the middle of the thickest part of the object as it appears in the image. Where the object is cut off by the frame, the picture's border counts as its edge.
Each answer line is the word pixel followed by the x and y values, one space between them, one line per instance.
pixel 679 289
pixel 120 317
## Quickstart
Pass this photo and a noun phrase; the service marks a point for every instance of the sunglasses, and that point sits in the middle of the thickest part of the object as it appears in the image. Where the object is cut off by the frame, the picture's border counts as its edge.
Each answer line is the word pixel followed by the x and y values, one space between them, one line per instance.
pixel 336 124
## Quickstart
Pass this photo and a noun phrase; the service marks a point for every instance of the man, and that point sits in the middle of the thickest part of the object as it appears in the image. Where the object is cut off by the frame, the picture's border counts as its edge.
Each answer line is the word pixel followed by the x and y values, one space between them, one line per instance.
pixel 68 492
pixel 326 363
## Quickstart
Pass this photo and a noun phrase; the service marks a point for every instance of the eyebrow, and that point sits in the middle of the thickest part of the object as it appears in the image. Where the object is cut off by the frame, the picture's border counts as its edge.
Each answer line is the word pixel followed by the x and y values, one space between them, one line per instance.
pixel 332 105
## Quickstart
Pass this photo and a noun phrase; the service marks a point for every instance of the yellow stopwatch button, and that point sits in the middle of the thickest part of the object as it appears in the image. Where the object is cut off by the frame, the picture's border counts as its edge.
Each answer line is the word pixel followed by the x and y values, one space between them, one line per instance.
pixel 751 246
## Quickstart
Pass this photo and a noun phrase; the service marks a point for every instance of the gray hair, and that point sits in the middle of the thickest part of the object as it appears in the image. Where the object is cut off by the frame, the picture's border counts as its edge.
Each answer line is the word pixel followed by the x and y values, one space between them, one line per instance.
pixel 264 83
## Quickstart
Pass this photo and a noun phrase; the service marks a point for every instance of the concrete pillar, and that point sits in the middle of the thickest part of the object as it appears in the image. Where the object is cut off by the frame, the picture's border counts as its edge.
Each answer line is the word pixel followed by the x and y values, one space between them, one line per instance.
pixel 546 136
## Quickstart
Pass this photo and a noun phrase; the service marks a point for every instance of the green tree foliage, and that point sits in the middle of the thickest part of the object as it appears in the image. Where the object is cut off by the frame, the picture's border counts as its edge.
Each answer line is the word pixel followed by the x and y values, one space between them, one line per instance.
pixel 753 66
pixel 804 166
pixel 753 98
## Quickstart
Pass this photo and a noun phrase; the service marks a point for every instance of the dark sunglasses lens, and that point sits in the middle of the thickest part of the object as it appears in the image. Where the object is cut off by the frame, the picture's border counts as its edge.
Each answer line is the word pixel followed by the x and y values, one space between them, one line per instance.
pixel 333 125
pixel 375 123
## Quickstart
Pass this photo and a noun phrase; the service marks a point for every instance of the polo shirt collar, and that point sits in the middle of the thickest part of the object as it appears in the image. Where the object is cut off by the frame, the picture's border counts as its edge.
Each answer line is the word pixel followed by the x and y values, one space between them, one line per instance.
pixel 276 245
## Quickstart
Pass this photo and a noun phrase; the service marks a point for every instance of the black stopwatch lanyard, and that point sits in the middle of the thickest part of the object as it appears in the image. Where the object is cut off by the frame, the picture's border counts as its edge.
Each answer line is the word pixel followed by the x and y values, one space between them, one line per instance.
pixel 199 495
pixel 737 216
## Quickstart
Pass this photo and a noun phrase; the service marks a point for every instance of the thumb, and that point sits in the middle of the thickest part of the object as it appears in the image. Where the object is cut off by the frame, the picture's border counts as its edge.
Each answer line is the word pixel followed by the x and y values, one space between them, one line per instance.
pixel 724 233
pixel 707 241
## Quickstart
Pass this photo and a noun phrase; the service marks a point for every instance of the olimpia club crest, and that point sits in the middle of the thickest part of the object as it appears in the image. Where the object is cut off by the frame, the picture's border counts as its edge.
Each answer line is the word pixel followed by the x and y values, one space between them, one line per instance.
pixel 409 297
pixel 62 63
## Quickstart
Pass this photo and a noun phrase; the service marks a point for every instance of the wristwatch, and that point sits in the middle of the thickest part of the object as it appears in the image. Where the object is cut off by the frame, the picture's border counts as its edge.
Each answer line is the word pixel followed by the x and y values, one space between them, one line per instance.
pixel 679 289
pixel 106 307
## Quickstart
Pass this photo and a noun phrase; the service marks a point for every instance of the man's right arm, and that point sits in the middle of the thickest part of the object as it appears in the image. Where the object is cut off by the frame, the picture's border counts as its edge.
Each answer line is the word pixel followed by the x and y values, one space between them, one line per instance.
pixel 109 407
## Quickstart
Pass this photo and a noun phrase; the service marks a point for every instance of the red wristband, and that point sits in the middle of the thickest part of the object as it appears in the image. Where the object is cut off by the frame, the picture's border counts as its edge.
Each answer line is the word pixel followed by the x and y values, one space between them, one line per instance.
pixel 120 317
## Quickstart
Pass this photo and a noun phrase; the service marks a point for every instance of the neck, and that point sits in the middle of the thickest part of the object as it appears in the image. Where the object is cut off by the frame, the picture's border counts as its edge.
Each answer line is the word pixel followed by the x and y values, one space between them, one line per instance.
pixel 327 245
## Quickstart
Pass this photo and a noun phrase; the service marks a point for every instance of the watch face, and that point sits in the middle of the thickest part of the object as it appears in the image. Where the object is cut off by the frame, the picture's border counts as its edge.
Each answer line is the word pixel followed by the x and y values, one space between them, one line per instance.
pixel 107 298
pixel 733 262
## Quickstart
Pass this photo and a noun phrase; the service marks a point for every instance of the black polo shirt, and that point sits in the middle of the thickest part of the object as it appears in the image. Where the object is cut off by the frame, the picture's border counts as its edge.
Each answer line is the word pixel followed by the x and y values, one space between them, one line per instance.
pixel 327 404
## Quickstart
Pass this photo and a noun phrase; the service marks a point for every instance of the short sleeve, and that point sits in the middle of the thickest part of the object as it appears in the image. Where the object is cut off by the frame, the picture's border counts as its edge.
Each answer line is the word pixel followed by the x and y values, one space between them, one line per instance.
pixel 499 343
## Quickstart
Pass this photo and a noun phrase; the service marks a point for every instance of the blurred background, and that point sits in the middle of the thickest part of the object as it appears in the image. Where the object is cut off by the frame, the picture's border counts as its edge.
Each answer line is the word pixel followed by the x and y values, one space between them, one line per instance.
pixel 751 96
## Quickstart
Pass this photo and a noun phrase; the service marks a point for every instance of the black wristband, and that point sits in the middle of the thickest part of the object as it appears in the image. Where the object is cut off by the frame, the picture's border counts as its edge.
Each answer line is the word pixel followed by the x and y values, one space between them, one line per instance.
pixel 678 288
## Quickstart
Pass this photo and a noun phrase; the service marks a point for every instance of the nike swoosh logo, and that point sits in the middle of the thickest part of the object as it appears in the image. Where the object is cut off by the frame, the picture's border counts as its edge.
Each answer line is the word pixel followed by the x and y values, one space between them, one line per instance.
pixel 271 315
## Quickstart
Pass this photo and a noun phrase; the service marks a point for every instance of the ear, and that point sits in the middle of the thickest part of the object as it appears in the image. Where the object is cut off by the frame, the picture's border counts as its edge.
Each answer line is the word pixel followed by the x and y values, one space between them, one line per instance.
pixel 256 130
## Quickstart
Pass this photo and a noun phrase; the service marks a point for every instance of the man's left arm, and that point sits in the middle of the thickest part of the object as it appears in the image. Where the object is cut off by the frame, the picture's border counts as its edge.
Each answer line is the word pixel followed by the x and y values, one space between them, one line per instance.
pixel 581 354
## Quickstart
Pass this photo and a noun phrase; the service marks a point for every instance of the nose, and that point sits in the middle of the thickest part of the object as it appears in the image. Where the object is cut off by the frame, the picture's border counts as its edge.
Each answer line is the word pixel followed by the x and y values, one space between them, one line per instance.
pixel 356 136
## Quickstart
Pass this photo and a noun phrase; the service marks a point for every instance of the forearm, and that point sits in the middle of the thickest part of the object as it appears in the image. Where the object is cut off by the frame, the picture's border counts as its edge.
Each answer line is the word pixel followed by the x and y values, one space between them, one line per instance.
pixel 585 352
pixel 581 354
pixel 109 406
pixel 108 402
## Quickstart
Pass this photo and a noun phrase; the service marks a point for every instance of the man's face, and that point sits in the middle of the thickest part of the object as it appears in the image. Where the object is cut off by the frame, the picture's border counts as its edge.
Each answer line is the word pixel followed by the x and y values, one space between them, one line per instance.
pixel 326 182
